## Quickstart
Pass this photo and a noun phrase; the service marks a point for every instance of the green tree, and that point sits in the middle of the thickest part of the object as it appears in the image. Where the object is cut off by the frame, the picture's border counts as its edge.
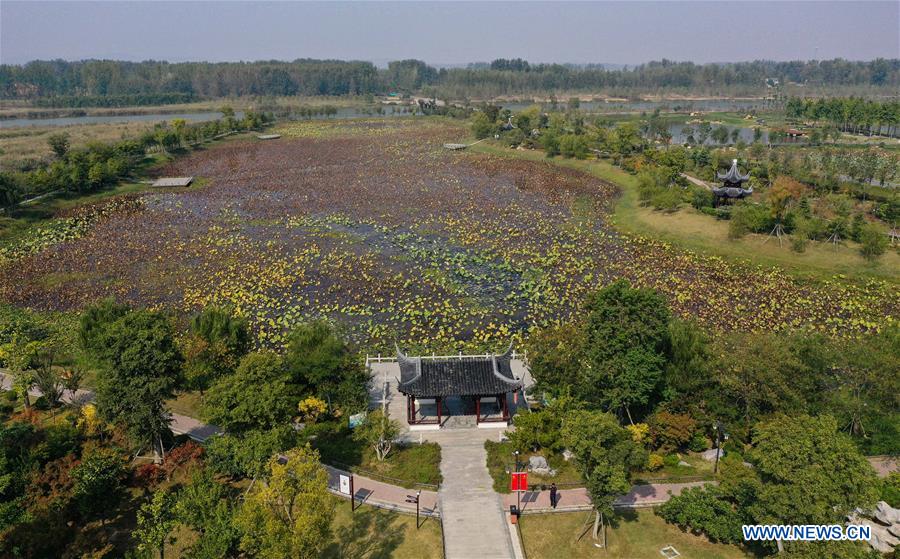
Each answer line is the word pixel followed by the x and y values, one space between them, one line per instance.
pixel 140 368
pixel 98 482
pixel 245 455
pixel 379 431
pixel 289 512
pixel 607 456
pixel 811 473
pixel 482 126
pixel 254 397
pixel 873 241
pixel 556 357
pixel 217 341
pixel 205 506
pixel 626 333
pixel 320 363
pixel 155 521
pixel 687 364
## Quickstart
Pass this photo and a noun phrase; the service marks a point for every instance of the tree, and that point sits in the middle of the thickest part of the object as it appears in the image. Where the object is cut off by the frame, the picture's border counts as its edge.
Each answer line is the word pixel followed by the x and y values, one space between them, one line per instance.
pixel 289 513
pixel 98 481
pixel 155 520
pixel 59 143
pixel 555 357
pixel 607 456
pixel 71 380
pixel 255 396
pixel 873 241
pixel 687 361
pixel 379 432
pixel 216 343
pixel 758 374
pixel 482 126
pixel 205 506
pixel 626 333
pixel 94 320
pixel 140 368
pixel 320 363
pixel 811 472
pixel 246 454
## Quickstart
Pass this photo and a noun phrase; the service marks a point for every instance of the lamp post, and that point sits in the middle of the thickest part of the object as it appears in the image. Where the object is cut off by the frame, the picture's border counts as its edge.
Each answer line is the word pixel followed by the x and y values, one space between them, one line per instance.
pixel 415 498
pixel 518 493
pixel 721 435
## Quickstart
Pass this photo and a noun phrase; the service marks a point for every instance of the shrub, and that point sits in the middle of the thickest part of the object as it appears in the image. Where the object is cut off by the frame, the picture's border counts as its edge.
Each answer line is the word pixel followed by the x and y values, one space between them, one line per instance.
pixel 638 432
pixel 890 490
pixel 701 509
pixel 671 460
pixel 654 462
pixel 11 396
pixel 749 218
pixel 698 443
pixel 42 404
pixel 148 475
pixel 668 199
pixel 702 198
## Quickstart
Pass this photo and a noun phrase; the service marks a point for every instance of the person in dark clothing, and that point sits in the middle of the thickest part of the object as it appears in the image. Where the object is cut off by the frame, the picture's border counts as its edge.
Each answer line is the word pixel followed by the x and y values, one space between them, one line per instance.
pixel 553 495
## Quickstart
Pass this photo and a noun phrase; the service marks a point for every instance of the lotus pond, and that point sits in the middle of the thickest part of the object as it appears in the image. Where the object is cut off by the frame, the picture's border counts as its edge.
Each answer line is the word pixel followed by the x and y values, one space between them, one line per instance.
pixel 373 224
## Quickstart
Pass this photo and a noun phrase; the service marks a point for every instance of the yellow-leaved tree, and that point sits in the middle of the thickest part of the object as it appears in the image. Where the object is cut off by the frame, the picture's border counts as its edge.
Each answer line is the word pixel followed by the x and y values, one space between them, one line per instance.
pixel 289 513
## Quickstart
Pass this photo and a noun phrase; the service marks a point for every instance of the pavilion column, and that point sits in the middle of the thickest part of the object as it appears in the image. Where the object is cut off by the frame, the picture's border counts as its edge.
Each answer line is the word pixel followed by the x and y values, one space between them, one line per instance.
pixel 410 417
pixel 439 401
pixel 477 410
pixel 504 406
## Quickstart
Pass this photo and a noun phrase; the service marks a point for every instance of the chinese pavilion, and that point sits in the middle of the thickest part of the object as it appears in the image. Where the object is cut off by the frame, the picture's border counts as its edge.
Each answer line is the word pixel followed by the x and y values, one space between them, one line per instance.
pixel 470 377
pixel 732 185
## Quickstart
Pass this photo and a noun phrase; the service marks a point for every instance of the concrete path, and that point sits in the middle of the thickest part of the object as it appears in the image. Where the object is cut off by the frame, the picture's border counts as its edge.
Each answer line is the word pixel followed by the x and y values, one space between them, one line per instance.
pixel 475 525
pixel 696 181
pixel 384 495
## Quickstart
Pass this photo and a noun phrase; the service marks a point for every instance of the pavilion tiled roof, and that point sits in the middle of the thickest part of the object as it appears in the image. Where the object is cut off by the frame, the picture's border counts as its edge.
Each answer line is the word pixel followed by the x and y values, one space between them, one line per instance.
pixel 733 175
pixel 456 376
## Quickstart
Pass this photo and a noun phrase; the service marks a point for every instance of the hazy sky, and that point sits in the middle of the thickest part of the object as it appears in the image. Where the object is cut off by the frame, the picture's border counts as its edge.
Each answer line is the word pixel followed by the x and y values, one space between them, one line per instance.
pixel 447 33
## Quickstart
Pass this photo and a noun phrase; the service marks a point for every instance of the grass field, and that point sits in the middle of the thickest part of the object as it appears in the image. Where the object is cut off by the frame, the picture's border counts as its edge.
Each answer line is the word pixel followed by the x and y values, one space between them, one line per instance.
pixel 378 534
pixel 633 534
pixel 704 234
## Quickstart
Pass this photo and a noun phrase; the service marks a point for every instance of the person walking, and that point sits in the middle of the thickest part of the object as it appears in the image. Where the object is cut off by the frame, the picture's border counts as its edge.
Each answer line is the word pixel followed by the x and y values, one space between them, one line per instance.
pixel 553 494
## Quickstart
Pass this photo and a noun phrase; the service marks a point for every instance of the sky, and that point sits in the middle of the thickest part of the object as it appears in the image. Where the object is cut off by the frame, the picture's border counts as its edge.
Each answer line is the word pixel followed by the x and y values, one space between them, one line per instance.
pixel 450 32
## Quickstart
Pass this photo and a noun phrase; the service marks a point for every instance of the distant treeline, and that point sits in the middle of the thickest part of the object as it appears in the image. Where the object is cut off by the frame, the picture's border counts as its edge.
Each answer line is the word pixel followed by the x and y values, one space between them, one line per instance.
pixel 57 78
pixel 84 101
pixel 850 114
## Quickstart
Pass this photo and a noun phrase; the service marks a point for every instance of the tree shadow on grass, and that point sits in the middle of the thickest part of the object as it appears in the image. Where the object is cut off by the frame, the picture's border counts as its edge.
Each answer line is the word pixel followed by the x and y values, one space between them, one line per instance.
pixel 372 534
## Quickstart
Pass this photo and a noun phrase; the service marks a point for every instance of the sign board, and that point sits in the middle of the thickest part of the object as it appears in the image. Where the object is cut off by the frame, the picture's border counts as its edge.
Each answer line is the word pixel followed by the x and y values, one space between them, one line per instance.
pixel 357 419
pixel 518 481
pixel 345 484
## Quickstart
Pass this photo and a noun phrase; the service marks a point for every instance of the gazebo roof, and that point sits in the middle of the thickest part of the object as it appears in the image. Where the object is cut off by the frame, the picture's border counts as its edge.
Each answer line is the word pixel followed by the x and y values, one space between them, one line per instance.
pixel 733 175
pixel 456 376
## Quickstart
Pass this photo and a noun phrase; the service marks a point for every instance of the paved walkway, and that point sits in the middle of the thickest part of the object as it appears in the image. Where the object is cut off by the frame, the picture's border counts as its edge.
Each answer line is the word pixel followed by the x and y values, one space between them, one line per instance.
pixel 475 525
pixel 181 424
pixel 384 495
pixel 577 499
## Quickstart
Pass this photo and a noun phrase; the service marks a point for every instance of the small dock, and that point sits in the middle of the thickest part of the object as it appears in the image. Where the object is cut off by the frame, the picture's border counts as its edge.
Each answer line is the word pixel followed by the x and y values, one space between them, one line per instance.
pixel 173 181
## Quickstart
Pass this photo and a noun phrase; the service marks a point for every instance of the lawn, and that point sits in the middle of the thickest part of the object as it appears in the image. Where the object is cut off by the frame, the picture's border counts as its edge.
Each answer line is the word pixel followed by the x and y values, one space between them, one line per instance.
pixel 500 461
pixel 703 234
pixel 633 534
pixel 378 534
pixel 406 465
